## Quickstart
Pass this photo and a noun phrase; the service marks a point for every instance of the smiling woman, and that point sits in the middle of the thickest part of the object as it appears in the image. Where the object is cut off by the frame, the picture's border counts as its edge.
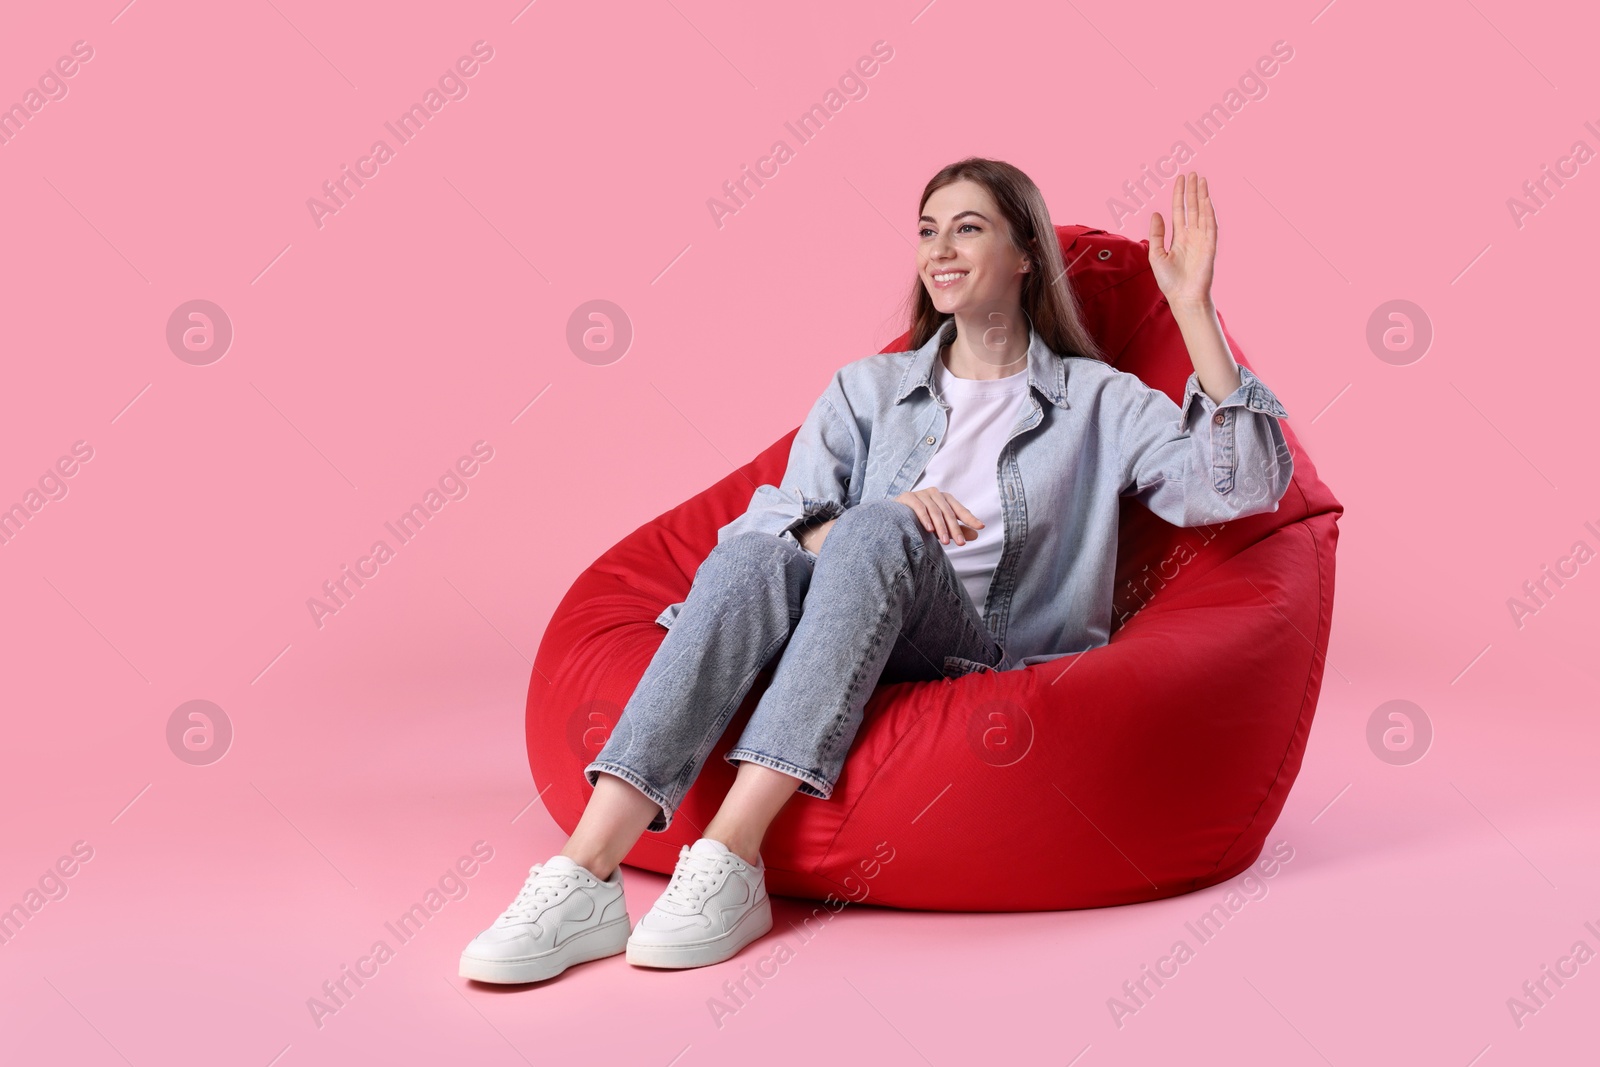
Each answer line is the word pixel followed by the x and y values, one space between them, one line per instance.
pixel 1007 435
pixel 948 517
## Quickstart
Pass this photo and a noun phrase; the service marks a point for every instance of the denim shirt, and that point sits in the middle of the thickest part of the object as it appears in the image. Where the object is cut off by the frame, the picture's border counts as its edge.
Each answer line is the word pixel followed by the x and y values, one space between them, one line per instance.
pixel 1088 435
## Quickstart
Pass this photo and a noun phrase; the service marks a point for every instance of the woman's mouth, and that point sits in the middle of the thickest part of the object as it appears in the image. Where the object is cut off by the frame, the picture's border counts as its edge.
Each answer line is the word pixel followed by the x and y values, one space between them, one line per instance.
pixel 945 279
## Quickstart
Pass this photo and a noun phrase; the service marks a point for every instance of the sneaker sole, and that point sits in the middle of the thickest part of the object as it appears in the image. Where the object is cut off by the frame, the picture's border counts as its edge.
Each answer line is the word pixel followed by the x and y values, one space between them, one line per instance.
pixel 755 923
pixel 598 943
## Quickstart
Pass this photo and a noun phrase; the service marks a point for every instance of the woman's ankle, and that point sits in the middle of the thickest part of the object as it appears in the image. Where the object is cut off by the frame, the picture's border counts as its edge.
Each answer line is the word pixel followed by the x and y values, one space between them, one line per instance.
pixel 595 865
pixel 739 847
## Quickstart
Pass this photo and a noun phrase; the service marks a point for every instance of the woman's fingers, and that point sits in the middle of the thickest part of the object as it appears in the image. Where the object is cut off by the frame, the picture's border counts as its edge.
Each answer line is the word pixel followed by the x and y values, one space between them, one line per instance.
pixel 936 511
pixel 964 522
pixel 968 517
pixel 942 514
pixel 916 504
pixel 922 501
pixel 949 524
pixel 959 521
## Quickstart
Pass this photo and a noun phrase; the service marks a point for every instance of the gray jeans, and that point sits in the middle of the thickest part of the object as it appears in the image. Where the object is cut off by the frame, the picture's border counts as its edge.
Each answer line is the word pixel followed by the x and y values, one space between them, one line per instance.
pixel 881 601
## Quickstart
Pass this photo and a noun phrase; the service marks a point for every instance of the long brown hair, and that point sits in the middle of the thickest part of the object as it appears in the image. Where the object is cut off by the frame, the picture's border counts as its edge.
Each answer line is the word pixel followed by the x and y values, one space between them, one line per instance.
pixel 1047 296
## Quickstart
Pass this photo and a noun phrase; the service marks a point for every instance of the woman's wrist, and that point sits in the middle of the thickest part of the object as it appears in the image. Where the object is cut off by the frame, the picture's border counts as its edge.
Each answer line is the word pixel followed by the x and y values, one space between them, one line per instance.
pixel 1192 310
pixel 811 537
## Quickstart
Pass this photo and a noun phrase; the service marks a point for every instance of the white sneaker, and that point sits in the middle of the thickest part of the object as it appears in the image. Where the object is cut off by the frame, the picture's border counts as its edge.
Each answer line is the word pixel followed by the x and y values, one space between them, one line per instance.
pixel 562 915
pixel 715 905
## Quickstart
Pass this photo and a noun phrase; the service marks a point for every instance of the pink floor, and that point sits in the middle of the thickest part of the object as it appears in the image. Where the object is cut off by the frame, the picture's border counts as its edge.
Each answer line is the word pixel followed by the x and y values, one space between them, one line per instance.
pixel 217 904
pixel 210 499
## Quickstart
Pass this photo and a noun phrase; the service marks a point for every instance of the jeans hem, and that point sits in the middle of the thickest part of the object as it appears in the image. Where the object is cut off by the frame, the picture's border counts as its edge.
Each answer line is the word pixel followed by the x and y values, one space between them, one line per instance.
pixel 810 784
pixel 592 771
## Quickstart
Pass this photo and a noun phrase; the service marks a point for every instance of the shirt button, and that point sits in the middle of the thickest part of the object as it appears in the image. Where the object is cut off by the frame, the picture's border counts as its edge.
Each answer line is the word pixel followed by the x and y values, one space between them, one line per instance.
pixel 930 440
pixel 1218 418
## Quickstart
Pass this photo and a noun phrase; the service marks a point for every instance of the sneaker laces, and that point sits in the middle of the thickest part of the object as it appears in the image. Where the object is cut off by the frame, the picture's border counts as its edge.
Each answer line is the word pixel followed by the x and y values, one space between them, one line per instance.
pixel 538 892
pixel 695 875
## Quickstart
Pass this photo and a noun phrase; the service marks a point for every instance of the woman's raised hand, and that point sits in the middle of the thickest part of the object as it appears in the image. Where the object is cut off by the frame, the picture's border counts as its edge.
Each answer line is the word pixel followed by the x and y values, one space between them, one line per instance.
pixel 943 514
pixel 1184 273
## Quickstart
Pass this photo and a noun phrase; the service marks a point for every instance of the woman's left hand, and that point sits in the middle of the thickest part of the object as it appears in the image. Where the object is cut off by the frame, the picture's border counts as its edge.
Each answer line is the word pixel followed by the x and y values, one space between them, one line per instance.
pixel 1184 272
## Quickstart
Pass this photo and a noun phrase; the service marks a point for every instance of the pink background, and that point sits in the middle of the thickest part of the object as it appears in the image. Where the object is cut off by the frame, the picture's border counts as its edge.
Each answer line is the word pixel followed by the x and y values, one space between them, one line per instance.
pixel 431 312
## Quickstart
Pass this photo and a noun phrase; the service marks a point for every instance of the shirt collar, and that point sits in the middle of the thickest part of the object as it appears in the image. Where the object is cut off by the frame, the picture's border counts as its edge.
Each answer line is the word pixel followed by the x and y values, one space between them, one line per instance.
pixel 1047 371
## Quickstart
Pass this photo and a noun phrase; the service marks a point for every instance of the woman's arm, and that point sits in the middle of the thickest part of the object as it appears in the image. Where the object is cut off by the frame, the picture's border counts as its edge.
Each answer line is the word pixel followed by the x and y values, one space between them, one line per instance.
pixel 1188 467
pixel 1181 466
pixel 812 538
pixel 1185 273
pixel 816 482
pixel 823 463
pixel 1214 366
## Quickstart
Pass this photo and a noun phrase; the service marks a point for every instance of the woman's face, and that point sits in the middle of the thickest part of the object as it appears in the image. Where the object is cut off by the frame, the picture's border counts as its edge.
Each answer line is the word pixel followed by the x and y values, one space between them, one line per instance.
pixel 962 233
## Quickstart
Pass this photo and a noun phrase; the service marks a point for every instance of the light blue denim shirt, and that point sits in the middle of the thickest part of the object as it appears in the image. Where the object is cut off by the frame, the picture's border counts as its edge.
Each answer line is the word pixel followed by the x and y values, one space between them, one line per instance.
pixel 1088 435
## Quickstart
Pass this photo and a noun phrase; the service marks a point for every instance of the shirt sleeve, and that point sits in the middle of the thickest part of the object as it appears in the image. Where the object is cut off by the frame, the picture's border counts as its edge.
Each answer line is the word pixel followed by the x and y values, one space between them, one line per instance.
pixel 816 484
pixel 1203 462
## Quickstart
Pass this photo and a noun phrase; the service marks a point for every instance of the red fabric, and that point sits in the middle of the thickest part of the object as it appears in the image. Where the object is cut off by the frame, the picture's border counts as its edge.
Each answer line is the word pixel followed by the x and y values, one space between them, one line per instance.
pixel 1153 766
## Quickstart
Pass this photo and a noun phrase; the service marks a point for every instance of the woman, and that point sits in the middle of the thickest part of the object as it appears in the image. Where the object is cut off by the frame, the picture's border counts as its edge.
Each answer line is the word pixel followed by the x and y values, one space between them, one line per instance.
pixel 945 510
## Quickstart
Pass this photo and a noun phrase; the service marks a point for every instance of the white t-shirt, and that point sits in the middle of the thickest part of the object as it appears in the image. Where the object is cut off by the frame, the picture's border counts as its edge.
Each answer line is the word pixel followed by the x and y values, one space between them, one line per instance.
pixel 967 465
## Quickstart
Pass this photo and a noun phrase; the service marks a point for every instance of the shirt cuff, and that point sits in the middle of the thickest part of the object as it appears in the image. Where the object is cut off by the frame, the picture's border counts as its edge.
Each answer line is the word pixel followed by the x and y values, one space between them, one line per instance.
pixel 1252 394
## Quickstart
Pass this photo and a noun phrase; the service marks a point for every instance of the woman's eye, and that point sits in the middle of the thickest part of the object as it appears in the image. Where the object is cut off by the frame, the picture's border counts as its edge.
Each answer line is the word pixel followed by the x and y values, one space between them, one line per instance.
pixel 964 226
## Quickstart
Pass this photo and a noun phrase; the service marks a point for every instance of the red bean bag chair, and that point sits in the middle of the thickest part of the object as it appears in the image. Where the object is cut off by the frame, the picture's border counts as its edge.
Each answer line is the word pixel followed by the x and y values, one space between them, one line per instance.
pixel 1152 766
